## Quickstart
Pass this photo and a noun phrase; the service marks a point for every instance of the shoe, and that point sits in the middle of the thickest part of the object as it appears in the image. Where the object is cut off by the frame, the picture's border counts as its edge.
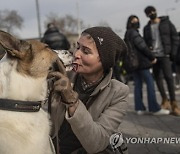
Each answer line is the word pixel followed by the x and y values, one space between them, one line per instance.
pixel 161 112
pixel 175 108
pixel 140 112
pixel 166 104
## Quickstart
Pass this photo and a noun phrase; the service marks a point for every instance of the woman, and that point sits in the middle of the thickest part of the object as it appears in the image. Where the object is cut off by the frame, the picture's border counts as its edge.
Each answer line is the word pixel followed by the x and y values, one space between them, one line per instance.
pixel 146 59
pixel 91 110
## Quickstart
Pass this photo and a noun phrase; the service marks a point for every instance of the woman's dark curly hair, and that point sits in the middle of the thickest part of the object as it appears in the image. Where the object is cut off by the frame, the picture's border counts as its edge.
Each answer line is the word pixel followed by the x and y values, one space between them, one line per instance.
pixel 129 24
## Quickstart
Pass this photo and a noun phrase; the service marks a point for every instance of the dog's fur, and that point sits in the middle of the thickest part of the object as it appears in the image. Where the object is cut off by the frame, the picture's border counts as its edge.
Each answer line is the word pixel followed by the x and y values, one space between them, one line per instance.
pixel 23 73
pixel 66 58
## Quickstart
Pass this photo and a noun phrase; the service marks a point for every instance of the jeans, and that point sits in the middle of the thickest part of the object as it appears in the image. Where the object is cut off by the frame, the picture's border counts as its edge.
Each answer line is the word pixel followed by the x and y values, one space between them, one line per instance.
pixel 139 77
pixel 163 65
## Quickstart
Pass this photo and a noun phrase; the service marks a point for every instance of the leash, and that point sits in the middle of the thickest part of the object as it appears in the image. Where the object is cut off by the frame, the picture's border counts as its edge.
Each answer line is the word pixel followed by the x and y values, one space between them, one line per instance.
pixel 19 106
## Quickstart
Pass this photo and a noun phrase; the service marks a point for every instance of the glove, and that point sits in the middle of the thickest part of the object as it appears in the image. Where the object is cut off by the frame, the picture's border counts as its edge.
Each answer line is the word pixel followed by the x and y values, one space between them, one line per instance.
pixel 63 85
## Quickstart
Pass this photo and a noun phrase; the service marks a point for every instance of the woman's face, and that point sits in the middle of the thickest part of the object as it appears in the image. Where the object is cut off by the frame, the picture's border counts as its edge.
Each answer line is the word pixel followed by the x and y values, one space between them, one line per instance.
pixel 134 20
pixel 135 23
pixel 87 60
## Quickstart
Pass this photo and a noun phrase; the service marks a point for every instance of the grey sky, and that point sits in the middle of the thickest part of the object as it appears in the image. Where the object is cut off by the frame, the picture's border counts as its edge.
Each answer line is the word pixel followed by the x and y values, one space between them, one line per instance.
pixel 114 12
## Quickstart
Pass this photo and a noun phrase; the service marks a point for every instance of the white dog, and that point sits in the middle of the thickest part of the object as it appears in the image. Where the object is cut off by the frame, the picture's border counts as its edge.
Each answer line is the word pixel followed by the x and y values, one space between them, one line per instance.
pixel 24 126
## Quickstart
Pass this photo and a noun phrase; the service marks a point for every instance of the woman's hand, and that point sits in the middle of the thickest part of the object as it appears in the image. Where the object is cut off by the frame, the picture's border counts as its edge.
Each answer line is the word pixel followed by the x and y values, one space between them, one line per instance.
pixel 154 61
pixel 63 85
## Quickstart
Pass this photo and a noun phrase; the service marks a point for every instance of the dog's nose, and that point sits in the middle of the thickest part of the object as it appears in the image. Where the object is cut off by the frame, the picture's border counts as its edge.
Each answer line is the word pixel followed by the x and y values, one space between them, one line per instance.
pixel 50 69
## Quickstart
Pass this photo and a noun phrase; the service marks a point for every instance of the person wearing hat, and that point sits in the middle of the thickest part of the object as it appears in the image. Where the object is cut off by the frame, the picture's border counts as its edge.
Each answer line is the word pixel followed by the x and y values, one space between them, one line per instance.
pixel 162 38
pixel 54 38
pixel 86 115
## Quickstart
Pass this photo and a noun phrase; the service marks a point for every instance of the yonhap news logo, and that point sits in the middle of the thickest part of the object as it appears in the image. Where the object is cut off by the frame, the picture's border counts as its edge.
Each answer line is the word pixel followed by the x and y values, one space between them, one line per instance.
pixel 152 140
pixel 116 140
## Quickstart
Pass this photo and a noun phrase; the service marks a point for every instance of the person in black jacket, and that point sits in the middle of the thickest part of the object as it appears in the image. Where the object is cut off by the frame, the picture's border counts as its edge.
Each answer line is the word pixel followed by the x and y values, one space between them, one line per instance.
pixel 142 73
pixel 55 39
pixel 162 38
pixel 177 66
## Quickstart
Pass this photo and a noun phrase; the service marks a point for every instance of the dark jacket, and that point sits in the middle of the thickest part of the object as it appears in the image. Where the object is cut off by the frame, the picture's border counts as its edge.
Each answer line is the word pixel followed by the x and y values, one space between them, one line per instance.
pixel 178 57
pixel 55 39
pixel 178 54
pixel 168 35
pixel 145 56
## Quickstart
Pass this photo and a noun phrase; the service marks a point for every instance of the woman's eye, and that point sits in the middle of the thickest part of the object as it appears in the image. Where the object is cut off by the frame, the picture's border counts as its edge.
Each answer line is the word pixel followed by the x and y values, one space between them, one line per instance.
pixel 85 50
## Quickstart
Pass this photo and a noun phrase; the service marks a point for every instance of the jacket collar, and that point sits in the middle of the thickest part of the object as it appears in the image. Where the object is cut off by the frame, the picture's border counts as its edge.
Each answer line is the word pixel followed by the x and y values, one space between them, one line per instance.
pixel 162 18
pixel 104 83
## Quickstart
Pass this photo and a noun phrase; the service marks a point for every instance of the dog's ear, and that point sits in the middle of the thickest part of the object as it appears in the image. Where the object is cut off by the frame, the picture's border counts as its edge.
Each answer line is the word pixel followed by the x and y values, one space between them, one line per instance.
pixel 7 41
pixel 13 46
pixel 24 50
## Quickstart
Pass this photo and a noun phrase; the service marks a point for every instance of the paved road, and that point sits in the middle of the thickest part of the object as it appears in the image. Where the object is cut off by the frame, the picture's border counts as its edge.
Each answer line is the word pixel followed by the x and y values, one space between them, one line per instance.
pixel 159 134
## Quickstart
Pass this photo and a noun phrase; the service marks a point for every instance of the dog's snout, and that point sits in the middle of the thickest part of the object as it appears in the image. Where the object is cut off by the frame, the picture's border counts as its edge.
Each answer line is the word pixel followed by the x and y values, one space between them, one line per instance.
pixel 51 68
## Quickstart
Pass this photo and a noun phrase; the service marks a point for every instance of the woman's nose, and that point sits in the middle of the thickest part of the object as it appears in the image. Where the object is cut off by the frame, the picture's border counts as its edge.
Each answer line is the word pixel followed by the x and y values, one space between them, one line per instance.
pixel 77 53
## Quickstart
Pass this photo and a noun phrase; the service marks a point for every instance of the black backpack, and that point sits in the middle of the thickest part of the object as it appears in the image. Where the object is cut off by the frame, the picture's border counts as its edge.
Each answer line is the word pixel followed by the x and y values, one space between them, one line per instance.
pixel 130 58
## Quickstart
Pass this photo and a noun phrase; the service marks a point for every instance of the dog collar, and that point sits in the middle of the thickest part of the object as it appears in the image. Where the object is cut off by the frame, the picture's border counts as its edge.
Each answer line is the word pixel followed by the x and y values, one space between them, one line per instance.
pixel 19 106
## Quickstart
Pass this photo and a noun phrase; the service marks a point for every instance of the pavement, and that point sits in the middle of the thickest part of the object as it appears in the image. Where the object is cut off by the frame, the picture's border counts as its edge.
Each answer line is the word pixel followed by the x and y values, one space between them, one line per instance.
pixel 150 134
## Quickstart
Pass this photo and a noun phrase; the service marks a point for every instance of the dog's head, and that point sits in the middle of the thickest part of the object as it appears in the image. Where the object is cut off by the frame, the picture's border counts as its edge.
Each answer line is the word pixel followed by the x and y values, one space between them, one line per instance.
pixel 33 57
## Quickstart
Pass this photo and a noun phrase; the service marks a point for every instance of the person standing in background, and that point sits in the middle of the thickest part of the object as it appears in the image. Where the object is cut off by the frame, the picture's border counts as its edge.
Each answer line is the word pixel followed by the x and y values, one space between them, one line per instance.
pixel 142 73
pixel 55 39
pixel 162 38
